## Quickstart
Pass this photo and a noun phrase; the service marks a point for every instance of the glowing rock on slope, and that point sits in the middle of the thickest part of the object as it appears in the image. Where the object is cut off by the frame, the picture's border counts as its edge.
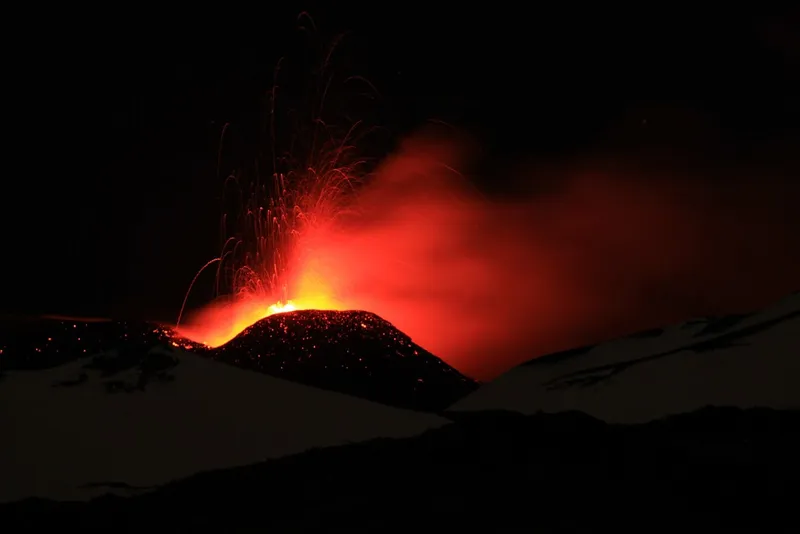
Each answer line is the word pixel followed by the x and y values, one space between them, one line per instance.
pixel 280 307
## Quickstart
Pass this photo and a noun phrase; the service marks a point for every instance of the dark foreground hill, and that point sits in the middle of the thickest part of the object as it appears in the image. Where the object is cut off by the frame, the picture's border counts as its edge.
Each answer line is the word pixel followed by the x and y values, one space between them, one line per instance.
pixel 715 469
pixel 351 352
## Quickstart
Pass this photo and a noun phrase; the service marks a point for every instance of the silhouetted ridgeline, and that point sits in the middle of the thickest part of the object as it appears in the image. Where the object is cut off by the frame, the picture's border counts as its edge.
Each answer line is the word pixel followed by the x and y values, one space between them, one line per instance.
pixel 354 352
pixel 741 360
pixel 716 468
pixel 351 352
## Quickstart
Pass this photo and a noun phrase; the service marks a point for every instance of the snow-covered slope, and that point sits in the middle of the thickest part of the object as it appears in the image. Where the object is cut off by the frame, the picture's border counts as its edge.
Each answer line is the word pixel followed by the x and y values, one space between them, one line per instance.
pixel 72 433
pixel 746 360
pixel 353 352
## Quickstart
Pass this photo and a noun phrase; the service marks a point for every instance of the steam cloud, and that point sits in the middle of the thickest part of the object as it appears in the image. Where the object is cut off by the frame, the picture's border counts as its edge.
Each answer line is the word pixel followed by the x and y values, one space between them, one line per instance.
pixel 603 250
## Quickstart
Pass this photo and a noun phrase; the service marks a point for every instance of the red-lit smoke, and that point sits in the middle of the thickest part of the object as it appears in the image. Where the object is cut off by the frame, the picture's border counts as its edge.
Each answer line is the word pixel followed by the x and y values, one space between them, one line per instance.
pixel 486 283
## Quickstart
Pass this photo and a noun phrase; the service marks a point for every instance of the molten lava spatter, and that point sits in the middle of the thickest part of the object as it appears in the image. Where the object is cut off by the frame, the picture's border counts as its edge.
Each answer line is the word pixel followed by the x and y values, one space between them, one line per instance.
pixel 280 307
pixel 223 320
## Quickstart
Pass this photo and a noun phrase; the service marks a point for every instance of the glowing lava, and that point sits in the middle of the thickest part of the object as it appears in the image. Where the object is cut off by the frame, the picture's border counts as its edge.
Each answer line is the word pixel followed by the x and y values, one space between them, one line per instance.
pixel 270 264
pixel 593 250
pixel 222 321
pixel 226 317
pixel 485 284
pixel 219 324
pixel 280 307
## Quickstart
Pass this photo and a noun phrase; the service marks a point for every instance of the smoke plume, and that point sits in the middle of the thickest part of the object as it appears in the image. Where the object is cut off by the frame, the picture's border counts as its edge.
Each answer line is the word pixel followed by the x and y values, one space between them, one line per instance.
pixel 578 253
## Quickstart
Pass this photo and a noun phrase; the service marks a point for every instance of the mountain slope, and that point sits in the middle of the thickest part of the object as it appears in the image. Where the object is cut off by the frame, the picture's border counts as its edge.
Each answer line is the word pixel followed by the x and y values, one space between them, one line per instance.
pixel 740 360
pixel 354 352
pixel 112 423
pixel 351 352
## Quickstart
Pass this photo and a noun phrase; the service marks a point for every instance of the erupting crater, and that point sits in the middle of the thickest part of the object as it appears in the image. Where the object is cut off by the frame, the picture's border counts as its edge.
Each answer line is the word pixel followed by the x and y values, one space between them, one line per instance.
pixel 355 352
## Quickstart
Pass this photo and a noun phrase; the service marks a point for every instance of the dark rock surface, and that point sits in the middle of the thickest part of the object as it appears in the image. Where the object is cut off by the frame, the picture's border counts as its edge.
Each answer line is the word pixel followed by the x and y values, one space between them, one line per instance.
pixel 351 352
pixel 721 469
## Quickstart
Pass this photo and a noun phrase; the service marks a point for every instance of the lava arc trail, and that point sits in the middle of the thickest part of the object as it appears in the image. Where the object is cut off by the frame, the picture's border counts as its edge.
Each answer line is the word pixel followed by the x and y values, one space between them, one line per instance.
pixel 265 266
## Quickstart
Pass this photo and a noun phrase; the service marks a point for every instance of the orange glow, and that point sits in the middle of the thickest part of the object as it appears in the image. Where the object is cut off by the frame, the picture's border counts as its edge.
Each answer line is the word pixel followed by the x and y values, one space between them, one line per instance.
pixel 486 284
pixel 280 307
pixel 225 318
pixel 222 320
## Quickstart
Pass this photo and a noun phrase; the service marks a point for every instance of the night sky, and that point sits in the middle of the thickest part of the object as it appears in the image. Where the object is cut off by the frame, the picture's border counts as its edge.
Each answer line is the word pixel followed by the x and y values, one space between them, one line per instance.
pixel 111 193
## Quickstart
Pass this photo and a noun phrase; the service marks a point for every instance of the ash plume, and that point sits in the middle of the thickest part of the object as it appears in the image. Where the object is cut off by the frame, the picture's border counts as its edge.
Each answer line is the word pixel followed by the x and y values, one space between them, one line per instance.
pixel 638 234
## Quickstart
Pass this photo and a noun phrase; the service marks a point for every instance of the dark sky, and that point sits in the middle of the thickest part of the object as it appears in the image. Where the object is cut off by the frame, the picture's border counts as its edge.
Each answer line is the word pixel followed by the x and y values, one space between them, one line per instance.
pixel 111 193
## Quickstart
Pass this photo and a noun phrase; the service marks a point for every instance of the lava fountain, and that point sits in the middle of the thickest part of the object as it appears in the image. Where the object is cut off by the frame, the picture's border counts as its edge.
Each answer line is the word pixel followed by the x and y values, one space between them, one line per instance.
pixel 583 251
pixel 486 283
pixel 267 267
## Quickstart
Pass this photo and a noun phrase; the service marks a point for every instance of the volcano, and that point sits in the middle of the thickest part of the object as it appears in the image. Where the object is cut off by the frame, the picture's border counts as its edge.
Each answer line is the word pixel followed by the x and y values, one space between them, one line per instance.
pixel 351 352
pixel 354 352
pixel 742 360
